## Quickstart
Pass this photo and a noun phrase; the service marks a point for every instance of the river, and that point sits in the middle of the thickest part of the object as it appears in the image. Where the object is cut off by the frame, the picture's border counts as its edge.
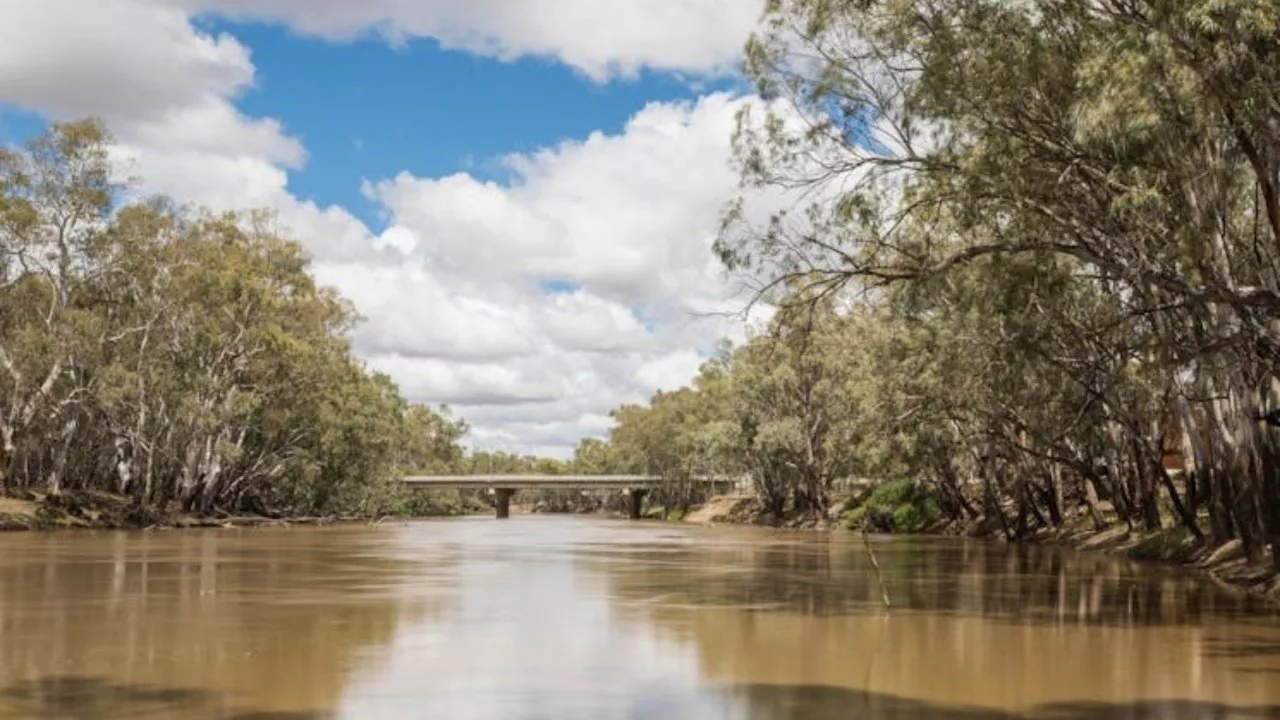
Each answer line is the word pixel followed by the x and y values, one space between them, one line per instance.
pixel 566 618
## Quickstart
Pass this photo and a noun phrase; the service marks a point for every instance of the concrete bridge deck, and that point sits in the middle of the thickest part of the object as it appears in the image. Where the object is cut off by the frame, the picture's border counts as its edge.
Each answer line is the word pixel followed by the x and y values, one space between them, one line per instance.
pixel 505 485
pixel 522 482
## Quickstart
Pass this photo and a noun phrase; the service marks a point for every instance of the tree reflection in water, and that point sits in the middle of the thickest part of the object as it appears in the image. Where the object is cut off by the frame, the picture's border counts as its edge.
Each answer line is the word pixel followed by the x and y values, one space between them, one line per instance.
pixel 1021 584
pixel 774 702
pixel 90 698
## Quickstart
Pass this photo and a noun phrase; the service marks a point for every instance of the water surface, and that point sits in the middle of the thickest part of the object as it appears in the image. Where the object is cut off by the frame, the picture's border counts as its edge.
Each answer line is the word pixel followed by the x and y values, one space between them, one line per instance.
pixel 578 618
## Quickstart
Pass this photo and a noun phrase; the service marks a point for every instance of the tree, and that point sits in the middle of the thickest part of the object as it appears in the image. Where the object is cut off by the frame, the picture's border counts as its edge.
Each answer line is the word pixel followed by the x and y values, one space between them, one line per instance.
pixel 181 357
pixel 1102 172
pixel 54 198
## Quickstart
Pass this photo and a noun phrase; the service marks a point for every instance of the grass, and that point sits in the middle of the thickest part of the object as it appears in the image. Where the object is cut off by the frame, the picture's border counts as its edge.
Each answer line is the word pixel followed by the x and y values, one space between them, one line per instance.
pixel 17 514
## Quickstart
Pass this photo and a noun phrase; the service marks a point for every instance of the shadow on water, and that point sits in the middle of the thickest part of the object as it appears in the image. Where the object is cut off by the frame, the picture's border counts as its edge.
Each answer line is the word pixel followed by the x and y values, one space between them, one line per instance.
pixel 86 698
pixel 994 581
pixel 816 702
pixel 1243 649
pixel 83 698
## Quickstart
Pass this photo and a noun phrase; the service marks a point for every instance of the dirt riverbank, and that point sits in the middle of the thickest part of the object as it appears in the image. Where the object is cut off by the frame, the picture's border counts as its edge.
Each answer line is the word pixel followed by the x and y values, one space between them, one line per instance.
pixel 95 510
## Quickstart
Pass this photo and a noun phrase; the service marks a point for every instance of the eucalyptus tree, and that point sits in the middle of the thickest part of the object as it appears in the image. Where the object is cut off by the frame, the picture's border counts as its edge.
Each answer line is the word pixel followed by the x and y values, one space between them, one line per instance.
pixel 790 395
pixel 667 438
pixel 181 357
pixel 55 196
pixel 1123 150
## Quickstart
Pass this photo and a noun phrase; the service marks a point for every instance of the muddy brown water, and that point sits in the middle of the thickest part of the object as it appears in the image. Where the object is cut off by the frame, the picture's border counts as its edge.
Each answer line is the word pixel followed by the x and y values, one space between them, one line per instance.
pixel 579 618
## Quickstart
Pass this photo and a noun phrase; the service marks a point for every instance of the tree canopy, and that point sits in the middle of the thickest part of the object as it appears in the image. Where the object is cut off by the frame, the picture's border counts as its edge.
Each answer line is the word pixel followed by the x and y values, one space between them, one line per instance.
pixel 180 356
pixel 1033 258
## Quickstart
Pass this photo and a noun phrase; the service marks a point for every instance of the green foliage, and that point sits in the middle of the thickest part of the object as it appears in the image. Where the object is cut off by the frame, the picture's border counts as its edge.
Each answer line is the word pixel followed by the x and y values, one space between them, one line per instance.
pixel 441 503
pixel 1034 250
pixel 676 514
pixel 783 411
pixel 1067 215
pixel 182 358
pixel 897 506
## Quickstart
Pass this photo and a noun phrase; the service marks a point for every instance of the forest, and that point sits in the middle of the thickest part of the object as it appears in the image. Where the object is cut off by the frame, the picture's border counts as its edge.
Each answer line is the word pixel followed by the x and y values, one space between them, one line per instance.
pixel 1030 265
pixel 182 358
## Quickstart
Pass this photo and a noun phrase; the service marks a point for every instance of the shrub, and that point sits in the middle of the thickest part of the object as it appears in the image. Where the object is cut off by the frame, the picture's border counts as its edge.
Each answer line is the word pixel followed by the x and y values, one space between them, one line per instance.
pixel 897 506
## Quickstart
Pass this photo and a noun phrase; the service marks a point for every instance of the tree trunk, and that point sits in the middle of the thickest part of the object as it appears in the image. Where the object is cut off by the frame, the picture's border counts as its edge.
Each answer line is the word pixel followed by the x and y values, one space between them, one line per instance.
pixel 55 478
pixel 991 505
pixel 1235 415
pixel 1091 501
pixel 123 465
pixel 1148 503
pixel 9 456
pixel 1054 477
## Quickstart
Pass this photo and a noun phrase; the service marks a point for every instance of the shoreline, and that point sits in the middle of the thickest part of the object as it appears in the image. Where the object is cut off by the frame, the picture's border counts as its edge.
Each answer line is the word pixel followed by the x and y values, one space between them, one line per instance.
pixel 1225 566
pixel 104 511
pixel 96 510
pixel 1171 546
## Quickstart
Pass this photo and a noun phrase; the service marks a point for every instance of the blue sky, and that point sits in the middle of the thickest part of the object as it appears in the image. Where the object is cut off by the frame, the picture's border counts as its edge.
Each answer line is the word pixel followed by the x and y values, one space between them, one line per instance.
pixel 368 109
pixel 18 124
pixel 519 196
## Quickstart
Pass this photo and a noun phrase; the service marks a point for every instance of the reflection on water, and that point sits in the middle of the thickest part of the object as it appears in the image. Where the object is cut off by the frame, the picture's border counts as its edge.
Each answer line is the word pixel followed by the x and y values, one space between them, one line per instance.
pixel 65 698
pixel 545 617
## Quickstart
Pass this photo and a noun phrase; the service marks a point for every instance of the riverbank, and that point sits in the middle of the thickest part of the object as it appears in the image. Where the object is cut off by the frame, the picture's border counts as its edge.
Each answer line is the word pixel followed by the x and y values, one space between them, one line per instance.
pixel 1173 545
pixel 95 510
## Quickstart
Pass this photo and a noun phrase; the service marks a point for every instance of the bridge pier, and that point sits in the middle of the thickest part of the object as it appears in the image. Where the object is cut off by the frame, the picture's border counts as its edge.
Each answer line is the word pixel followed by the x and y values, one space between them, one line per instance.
pixel 503 497
pixel 635 501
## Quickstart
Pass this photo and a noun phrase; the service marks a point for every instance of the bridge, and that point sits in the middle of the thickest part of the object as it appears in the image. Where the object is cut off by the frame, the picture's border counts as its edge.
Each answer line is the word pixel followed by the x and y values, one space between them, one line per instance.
pixel 636 487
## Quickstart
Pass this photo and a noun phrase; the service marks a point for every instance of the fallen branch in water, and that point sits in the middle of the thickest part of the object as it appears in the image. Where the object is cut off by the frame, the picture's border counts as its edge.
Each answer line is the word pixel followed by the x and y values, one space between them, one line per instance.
pixel 884 591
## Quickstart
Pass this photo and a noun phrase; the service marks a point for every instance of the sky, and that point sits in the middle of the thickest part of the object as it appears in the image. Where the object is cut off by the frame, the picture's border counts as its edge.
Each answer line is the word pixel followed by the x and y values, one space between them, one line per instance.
pixel 519 196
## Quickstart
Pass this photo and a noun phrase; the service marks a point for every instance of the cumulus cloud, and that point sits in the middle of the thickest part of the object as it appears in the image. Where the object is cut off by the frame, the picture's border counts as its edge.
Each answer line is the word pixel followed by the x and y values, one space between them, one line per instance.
pixel 455 290
pixel 165 89
pixel 113 58
pixel 669 371
pixel 631 216
pixel 600 39
pixel 626 221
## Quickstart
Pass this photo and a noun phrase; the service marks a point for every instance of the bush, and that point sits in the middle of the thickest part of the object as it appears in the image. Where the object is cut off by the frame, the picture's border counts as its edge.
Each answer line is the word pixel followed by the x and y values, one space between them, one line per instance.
pixel 897 506
pixel 443 503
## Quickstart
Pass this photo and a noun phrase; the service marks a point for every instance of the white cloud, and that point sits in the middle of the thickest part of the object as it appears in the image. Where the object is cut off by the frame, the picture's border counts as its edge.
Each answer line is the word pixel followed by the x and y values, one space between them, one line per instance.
pixel 164 88
pixel 600 39
pixel 451 291
pixel 670 371
pixel 629 219
pixel 496 382
pixel 581 321
pixel 631 216
pixel 213 127
pixel 113 58
pixel 411 313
